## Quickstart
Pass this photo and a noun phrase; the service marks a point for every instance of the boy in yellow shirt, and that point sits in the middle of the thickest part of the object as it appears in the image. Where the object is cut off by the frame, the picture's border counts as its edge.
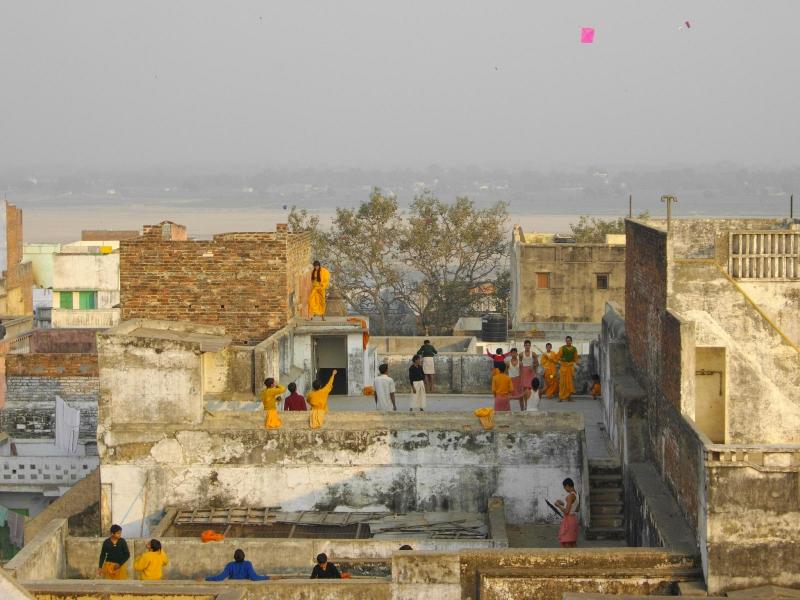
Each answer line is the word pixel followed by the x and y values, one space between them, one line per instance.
pixel 502 387
pixel 269 394
pixel 150 564
pixel 318 400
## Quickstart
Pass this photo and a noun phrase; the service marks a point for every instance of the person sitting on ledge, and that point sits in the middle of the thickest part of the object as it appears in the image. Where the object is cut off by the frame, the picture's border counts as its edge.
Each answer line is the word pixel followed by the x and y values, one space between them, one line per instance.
pixel 238 569
pixel 325 570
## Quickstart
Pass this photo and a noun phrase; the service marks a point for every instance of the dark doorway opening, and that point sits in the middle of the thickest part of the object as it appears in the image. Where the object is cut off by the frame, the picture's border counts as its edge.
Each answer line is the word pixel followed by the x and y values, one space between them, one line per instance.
pixel 330 352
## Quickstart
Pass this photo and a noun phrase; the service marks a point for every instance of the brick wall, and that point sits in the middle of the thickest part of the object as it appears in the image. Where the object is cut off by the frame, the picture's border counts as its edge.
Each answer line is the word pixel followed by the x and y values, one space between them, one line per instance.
pixel 646 298
pixel 237 280
pixel 52 365
pixel 13 236
pixel 655 340
pixel 103 235
pixel 81 341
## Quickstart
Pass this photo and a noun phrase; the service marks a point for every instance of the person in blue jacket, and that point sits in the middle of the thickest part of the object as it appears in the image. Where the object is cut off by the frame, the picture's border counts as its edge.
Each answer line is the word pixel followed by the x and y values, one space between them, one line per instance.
pixel 238 569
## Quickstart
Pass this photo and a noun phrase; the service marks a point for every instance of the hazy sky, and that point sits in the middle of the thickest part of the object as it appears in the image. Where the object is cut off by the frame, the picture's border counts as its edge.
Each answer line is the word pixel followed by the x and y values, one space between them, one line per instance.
pixel 408 83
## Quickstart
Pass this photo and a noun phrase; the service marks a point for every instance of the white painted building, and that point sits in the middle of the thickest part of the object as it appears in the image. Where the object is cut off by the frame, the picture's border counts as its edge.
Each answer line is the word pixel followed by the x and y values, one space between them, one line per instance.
pixel 86 285
pixel 40 472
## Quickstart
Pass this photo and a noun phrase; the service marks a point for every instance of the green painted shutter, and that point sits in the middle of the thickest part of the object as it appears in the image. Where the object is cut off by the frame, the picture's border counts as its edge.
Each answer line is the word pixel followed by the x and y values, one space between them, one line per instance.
pixel 87 300
pixel 65 299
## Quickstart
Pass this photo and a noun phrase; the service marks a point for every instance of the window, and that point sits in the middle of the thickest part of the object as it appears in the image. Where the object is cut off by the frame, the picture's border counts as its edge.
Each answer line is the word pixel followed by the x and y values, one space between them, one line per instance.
pixel 543 281
pixel 88 300
pixel 65 299
pixel 602 281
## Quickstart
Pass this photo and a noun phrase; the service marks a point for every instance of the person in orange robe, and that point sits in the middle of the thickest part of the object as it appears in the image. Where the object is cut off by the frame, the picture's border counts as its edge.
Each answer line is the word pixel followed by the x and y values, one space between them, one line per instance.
pixel 317 399
pixel 320 280
pixel 502 386
pixel 567 359
pixel 549 363
pixel 272 389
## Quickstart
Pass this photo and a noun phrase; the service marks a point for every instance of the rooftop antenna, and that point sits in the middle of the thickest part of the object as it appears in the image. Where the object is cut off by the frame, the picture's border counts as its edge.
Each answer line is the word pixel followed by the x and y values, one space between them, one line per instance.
pixel 669 200
pixel 791 207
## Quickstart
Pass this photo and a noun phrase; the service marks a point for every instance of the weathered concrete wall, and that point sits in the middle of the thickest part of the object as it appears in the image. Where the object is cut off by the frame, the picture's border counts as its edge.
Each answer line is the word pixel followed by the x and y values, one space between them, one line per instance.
pixel 161 378
pixel 191 558
pixel 41 258
pixel 652 516
pixel 548 573
pixel 11 590
pixel 406 462
pixel 695 237
pixel 288 589
pixel 402 344
pixel 573 293
pixel 84 271
pixel 779 300
pixel 44 557
pixel 229 372
pixel 763 403
pixel 74 504
pixel 753 517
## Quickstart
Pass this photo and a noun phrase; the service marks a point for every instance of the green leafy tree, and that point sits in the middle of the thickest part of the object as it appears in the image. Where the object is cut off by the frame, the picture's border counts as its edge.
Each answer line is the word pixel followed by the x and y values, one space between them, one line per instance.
pixel 361 250
pixel 591 230
pixel 300 220
pixel 449 249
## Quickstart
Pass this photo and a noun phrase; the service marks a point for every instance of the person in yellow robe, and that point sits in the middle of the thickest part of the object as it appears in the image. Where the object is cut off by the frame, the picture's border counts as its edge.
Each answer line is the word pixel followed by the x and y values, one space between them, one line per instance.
pixel 320 280
pixel 502 386
pixel 567 359
pixel 272 389
pixel 549 362
pixel 150 565
pixel 317 399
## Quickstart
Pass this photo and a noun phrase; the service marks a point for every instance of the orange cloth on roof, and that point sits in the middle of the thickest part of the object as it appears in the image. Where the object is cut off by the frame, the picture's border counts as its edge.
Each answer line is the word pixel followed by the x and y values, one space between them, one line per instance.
pixel 209 535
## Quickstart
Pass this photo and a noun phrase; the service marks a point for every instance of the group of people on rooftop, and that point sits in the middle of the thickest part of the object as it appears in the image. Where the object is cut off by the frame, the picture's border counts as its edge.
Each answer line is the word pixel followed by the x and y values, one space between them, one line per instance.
pixel 515 376
pixel 114 556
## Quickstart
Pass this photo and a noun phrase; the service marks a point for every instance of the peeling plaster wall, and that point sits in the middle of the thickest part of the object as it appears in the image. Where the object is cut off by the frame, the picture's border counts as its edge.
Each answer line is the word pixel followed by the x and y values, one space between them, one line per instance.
pixel 405 462
pixel 149 380
pixel 780 300
pixel 763 373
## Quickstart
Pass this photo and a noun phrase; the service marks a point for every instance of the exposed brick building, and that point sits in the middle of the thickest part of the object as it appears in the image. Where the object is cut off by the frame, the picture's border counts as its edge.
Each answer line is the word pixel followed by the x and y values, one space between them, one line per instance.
pixel 16 285
pixel 250 283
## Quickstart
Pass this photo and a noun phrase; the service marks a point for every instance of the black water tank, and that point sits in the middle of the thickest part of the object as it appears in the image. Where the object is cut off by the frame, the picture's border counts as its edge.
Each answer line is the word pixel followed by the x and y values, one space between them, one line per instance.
pixel 494 327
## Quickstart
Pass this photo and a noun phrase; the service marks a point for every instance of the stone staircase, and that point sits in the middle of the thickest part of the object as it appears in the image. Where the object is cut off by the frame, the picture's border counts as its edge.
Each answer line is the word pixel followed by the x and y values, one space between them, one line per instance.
pixel 606 501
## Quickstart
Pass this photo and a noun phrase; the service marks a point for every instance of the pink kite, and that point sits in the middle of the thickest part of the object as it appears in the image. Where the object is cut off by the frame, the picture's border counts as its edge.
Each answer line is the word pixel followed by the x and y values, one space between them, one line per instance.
pixel 587 35
pixel 688 25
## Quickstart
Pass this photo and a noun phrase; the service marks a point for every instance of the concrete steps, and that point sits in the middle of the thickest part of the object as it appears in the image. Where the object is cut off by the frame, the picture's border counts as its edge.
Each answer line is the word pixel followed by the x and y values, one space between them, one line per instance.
pixel 606 501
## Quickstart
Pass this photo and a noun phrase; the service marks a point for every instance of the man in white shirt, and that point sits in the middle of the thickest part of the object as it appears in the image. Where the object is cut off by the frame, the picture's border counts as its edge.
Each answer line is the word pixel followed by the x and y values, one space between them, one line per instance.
pixel 384 389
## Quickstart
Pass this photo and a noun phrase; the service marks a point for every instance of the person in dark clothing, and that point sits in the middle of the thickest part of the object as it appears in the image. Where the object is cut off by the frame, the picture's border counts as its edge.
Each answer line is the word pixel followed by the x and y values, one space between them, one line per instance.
pixel 417 378
pixel 113 556
pixel 325 570
pixel 238 569
pixel 294 401
pixel 427 352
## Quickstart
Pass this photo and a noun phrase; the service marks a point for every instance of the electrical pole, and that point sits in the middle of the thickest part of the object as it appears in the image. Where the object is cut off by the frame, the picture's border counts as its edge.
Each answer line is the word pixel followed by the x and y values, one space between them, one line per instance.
pixel 791 207
pixel 669 200
pixel 630 206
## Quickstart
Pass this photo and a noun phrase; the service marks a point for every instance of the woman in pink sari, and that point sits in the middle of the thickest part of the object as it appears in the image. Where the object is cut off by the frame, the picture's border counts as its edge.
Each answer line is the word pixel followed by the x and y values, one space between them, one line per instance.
pixel 568 532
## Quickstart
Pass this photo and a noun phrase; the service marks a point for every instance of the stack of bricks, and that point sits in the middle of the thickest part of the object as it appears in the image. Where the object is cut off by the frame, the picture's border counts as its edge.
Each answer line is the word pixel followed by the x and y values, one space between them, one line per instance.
pixel 241 281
